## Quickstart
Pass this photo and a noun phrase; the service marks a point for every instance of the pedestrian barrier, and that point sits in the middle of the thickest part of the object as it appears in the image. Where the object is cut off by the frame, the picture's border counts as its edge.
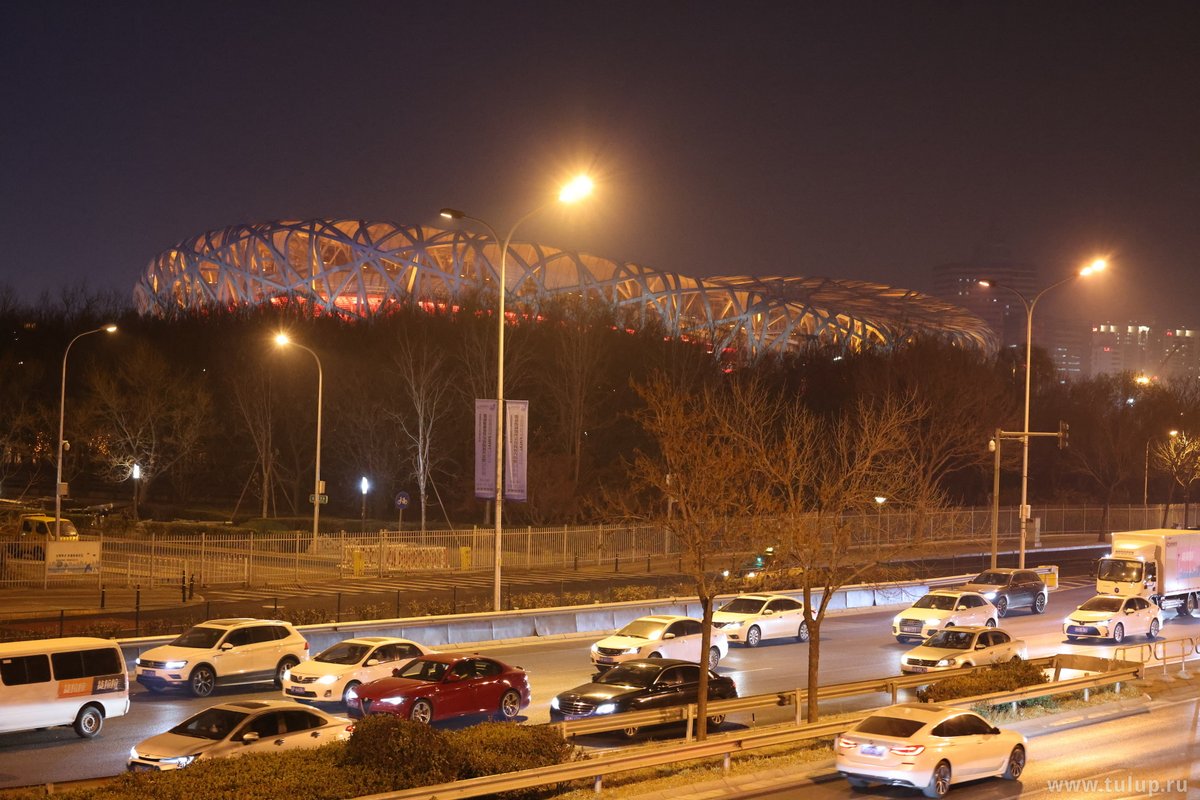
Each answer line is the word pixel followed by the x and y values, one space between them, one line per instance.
pixel 1161 650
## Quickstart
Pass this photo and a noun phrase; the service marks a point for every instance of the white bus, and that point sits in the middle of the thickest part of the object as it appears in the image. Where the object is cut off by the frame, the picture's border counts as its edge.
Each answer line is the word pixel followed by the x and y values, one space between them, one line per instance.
pixel 74 681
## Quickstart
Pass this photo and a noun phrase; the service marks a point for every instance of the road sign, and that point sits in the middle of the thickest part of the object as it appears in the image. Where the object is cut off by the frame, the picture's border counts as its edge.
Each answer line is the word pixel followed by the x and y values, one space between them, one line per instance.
pixel 402 500
pixel 312 498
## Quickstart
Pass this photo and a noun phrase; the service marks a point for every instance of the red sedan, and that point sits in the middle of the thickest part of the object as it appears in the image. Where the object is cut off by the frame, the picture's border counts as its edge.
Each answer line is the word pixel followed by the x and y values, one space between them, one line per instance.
pixel 444 685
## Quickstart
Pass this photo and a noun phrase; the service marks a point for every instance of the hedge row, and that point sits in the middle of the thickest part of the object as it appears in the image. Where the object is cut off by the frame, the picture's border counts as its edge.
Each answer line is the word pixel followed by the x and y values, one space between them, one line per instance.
pixel 1007 677
pixel 383 754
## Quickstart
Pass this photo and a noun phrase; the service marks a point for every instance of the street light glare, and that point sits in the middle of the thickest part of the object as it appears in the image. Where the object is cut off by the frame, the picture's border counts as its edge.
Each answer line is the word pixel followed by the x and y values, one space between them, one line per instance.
pixel 579 188
pixel 985 283
pixel 110 328
pixel 282 339
pixel 1099 265
pixel 451 213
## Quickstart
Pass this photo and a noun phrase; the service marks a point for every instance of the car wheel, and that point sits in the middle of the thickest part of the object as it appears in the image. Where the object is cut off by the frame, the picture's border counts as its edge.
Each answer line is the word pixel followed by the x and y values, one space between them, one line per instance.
pixel 630 732
pixel 155 688
pixel 939 782
pixel 1153 632
pixel 1187 607
pixel 753 636
pixel 89 722
pixel 285 663
pixel 991 623
pixel 346 694
pixel 802 633
pixel 900 639
pixel 422 712
pixel 1071 638
pixel 1001 606
pixel 1039 603
pixel 510 706
pixel 1016 763
pixel 714 657
pixel 716 721
pixel 202 681
pixel 857 784
pixel 1118 633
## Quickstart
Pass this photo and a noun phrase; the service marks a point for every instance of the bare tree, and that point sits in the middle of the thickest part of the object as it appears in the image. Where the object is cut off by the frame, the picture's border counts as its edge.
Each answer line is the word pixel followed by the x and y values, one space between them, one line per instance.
pixel 1179 457
pixel 251 391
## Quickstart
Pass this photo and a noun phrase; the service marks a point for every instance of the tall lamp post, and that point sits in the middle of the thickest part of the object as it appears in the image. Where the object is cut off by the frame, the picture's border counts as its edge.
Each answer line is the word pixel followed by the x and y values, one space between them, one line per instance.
pixel 282 340
pixel 364 485
pixel 574 191
pixel 1096 266
pixel 136 474
pixel 62 417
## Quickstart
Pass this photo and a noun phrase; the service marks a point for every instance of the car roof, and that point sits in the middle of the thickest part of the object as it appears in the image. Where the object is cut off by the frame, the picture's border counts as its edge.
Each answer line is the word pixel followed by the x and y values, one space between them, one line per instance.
pixel 920 712
pixel 762 596
pixel 661 663
pixel 661 618
pixel 952 592
pixel 233 622
pixel 255 705
pixel 972 629
pixel 376 640
pixel 454 658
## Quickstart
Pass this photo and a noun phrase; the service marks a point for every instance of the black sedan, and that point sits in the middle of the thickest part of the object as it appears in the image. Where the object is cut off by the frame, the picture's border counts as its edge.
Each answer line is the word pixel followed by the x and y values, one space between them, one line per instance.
pixel 641 685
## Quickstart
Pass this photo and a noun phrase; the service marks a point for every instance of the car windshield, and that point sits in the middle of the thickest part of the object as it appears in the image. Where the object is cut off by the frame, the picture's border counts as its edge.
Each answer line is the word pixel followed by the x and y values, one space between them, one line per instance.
pixel 642 629
pixel 1102 603
pixel 212 723
pixel 743 605
pixel 991 579
pixel 636 675
pixel 940 602
pixel 889 726
pixel 423 670
pixel 1117 569
pixel 951 640
pixel 343 653
pixel 200 636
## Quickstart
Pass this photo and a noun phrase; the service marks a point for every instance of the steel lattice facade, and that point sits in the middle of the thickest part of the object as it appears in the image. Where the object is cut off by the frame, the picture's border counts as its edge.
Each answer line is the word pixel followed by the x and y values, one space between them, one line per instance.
pixel 356 268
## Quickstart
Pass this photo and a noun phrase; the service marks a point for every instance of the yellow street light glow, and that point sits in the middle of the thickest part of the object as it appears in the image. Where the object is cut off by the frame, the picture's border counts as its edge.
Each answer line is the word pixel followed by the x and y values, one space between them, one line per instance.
pixel 1141 380
pixel 1099 265
pixel 110 328
pixel 1173 433
pixel 282 339
pixel 579 188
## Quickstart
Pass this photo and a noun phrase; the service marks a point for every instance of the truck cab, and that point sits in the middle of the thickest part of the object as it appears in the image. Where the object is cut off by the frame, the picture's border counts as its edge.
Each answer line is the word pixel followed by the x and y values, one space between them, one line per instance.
pixel 1128 571
pixel 34 531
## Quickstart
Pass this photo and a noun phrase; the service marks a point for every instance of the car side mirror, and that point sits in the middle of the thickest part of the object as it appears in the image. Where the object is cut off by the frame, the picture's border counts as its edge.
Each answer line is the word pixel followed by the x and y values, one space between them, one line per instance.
pixel 372 662
pixel 768 612
pixel 227 646
pixel 994 731
pixel 980 646
pixel 250 737
pixel 668 636
pixel 961 608
pixel 396 673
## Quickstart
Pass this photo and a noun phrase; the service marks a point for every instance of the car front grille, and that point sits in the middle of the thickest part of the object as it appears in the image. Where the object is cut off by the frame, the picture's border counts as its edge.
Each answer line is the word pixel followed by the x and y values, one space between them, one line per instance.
pixel 910 626
pixel 921 662
pixel 304 679
pixel 153 664
pixel 576 706
pixel 610 651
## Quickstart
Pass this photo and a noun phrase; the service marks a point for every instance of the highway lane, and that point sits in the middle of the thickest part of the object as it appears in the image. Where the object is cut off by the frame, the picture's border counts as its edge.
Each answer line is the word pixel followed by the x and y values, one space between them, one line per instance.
pixel 854 647
pixel 1154 755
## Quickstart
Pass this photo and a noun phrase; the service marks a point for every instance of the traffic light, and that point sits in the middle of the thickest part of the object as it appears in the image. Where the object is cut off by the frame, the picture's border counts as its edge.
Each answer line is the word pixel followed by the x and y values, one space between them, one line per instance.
pixel 1064 432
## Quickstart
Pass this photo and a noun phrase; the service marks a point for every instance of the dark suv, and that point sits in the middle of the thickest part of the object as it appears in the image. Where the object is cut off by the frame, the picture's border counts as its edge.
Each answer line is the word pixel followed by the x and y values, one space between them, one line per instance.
pixel 1011 588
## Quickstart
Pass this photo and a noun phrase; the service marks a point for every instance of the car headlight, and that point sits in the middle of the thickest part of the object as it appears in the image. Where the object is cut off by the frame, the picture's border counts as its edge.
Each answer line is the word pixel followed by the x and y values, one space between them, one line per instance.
pixel 596 648
pixel 175 665
pixel 947 662
pixel 554 703
pixel 133 753
pixel 933 622
pixel 631 651
pixel 989 595
pixel 180 761
pixel 137 662
pixel 606 708
pixel 392 701
pixel 327 679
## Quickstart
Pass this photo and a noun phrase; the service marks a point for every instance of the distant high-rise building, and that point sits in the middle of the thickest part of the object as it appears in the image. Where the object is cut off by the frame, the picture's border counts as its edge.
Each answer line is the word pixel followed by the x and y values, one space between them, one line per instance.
pixel 1068 344
pixel 1156 351
pixel 1001 310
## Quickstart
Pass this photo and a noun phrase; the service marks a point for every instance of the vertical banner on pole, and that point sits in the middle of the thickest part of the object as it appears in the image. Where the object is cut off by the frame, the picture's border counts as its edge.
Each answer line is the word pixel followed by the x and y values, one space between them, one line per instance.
pixel 516 449
pixel 485 449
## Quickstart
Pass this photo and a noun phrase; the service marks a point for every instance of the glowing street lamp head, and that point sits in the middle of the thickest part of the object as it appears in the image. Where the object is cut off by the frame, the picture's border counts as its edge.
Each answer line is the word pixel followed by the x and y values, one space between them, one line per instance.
pixel 880 499
pixel 579 188
pixel 451 213
pixel 282 339
pixel 985 283
pixel 1099 265
pixel 1141 380
pixel 110 328
pixel 364 485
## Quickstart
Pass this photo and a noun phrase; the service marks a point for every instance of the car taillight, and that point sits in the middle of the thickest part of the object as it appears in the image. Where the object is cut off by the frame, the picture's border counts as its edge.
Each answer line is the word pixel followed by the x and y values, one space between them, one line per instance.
pixel 842 741
pixel 350 728
pixel 908 749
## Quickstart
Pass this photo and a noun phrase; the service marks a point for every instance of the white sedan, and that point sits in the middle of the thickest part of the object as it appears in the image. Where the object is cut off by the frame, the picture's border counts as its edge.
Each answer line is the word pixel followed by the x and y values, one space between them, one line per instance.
pixel 963 647
pixel 940 609
pixel 750 618
pixel 1111 617
pixel 234 729
pixel 659 636
pixel 333 672
pixel 926 746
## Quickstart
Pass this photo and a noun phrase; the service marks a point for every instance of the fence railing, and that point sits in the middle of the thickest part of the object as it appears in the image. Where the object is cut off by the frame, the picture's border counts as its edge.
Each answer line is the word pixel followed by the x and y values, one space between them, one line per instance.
pixel 217 557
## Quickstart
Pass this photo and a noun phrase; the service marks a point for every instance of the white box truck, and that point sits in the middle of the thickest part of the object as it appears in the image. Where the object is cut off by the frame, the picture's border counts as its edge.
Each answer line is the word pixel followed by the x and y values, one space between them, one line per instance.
pixel 1162 565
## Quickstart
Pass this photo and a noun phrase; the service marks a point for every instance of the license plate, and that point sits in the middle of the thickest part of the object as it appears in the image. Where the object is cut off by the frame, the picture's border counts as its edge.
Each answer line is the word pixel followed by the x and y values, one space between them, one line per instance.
pixel 1077 629
pixel 918 669
pixel 142 768
pixel 871 750
pixel 151 673
pixel 295 690
pixel 606 660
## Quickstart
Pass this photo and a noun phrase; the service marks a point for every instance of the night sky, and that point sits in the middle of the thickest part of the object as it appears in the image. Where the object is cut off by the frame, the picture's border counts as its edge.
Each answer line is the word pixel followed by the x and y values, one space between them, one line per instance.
pixel 844 139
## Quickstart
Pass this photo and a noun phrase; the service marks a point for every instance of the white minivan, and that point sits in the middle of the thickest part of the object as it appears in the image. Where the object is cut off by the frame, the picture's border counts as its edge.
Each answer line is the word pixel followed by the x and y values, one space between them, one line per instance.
pixel 78 681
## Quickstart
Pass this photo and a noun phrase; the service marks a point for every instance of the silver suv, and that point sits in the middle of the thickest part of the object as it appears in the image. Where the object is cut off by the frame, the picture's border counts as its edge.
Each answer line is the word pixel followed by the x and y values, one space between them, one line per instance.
pixel 225 652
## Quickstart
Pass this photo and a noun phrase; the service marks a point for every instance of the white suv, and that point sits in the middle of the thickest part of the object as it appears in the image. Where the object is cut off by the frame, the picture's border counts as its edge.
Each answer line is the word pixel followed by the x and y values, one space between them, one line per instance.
pixel 333 672
pixel 223 651
pixel 659 636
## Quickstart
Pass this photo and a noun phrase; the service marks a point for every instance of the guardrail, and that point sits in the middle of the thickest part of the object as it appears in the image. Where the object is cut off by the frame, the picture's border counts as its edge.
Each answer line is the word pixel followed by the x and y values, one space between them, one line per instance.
pixel 1160 650
pixel 727 744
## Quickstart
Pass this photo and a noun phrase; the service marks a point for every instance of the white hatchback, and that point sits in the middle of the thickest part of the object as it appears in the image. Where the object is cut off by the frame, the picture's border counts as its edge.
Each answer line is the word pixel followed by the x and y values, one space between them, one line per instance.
pixel 963 647
pixel 333 672
pixel 1111 617
pixel 750 618
pixel 659 636
pixel 926 747
pixel 943 609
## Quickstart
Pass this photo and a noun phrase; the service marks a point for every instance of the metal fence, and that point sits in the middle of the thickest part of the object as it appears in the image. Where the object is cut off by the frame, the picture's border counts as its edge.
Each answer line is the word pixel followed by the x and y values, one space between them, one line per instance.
pixel 217 557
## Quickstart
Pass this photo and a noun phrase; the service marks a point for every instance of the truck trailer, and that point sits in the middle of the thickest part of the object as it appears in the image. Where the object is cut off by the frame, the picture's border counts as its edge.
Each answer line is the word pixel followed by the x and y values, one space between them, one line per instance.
pixel 1162 565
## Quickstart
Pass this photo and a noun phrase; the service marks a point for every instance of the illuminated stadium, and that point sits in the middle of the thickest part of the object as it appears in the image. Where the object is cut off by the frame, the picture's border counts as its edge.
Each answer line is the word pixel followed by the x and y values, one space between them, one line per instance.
pixel 355 268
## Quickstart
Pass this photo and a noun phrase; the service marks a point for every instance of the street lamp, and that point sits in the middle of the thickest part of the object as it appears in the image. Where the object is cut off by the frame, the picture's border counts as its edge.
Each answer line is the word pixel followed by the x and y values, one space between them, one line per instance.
pixel 282 340
pixel 62 416
pixel 574 191
pixel 136 474
pixel 364 485
pixel 1096 266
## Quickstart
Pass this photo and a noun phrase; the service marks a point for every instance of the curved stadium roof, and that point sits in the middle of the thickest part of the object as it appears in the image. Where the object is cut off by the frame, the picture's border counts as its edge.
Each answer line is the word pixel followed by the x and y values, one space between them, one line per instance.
pixel 358 268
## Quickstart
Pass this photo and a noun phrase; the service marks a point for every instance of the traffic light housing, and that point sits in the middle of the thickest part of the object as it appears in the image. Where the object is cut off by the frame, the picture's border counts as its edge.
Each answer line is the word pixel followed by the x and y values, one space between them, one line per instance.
pixel 1064 433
